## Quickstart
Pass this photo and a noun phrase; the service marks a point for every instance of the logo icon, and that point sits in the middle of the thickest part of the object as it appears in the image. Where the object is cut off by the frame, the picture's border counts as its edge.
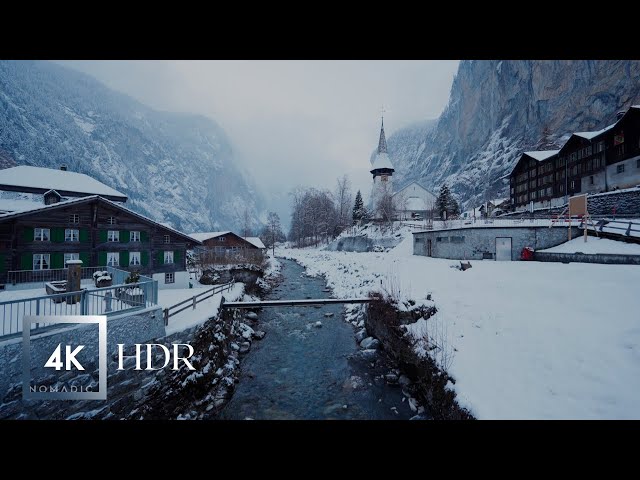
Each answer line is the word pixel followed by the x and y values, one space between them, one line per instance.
pixel 61 359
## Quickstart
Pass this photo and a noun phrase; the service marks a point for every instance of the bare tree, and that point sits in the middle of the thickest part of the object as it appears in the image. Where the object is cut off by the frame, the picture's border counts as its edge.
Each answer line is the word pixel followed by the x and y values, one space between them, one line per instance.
pixel 247 223
pixel 385 207
pixel 273 231
pixel 343 201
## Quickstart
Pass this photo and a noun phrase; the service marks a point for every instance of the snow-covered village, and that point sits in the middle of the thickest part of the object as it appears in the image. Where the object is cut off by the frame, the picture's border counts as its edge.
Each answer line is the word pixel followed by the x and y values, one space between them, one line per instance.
pixel 459 253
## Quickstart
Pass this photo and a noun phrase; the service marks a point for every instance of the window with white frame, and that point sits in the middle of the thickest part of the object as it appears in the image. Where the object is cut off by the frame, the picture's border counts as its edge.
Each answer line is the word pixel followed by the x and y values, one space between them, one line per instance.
pixel 41 261
pixel 71 235
pixel 111 220
pixel 113 259
pixel 134 258
pixel 74 218
pixel 620 168
pixel 221 239
pixel 135 236
pixel 169 277
pixel 113 236
pixel 70 256
pixel 168 256
pixel 41 234
pixel 167 239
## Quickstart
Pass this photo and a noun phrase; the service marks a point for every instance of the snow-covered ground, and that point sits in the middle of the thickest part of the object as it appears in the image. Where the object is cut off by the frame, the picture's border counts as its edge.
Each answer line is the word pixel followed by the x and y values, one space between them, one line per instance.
pixel 532 340
pixel 204 310
pixel 596 245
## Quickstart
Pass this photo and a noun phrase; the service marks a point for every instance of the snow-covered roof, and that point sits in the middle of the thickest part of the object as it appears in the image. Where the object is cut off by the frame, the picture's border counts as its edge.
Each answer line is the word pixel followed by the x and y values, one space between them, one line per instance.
pixel 202 236
pixel 255 241
pixel 590 135
pixel 25 176
pixel 382 160
pixel 541 155
pixel 8 205
pixel 41 207
pixel 415 183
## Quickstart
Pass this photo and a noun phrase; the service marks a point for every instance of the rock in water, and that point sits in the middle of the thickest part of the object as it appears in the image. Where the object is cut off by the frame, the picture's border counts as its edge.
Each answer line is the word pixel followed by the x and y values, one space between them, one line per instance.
pixel 251 316
pixel 259 334
pixel 361 335
pixel 318 324
pixel 328 314
pixel 369 343
pixel 391 378
pixel 245 347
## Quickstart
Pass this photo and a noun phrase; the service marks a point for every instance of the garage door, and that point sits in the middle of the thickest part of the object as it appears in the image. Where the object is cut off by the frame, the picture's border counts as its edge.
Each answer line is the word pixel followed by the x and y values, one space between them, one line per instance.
pixel 503 249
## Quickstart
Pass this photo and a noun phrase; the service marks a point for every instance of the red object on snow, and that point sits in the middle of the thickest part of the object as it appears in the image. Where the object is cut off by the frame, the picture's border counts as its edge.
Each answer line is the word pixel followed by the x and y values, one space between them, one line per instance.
pixel 526 254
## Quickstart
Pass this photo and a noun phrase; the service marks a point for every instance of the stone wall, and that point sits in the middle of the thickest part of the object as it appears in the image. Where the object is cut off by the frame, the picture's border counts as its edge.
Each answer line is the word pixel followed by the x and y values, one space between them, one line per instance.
pixel 625 203
pixel 362 243
pixel 605 258
pixel 480 243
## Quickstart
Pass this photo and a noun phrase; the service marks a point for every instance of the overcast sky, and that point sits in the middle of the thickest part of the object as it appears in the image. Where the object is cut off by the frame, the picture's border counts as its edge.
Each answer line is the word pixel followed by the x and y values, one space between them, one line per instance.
pixel 291 122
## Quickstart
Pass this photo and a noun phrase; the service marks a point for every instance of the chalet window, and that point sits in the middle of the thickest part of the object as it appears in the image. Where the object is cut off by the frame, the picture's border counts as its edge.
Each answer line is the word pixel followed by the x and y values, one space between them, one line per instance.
pixel 561 188
pixel 111 220
pixel 134 258
pixel 135 236
pixel 533 195
pixel 591 180
pixel 169 278
pixel 167 239
pixel 74 218
pixel 168 257
pixel 41 234
pixel 620 150
pixel 600 146
pixel 620 168
pixel 113 236
pixel 113 259
pixel 221 239
pixel 549 191
pixel 71 235
pixel 70 256
pixel 573 184
pixel 41 261
pixel 573 157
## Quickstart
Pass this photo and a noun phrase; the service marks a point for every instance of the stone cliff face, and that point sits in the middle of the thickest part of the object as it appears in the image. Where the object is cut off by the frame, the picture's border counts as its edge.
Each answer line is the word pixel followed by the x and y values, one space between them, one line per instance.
pixel 497 109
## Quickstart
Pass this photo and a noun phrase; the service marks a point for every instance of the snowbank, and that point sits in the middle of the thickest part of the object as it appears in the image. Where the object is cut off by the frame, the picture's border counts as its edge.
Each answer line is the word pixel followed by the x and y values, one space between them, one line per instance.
pixel 533 340
pixel 596 245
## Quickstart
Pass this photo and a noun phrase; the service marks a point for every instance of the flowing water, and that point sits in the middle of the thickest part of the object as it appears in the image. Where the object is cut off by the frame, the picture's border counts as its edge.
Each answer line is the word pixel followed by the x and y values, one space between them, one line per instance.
pixel 300 371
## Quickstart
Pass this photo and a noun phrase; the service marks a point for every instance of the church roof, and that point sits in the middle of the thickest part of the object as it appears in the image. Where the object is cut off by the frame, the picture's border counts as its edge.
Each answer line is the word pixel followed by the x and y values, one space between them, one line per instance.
pixel 382 160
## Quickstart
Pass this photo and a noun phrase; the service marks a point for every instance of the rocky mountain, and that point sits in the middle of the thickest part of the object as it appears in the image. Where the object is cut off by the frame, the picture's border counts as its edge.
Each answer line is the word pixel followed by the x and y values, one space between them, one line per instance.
pixel 497 109
pixel 176 168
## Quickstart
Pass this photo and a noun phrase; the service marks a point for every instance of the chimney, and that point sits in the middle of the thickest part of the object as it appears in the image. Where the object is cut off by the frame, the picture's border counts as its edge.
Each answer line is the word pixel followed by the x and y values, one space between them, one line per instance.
pixel 63 167
pixel 620 114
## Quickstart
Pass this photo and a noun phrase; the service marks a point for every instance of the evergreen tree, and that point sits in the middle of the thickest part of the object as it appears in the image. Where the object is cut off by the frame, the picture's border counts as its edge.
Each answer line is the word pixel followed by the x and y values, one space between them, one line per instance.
pixel 446 202
pixel 359 212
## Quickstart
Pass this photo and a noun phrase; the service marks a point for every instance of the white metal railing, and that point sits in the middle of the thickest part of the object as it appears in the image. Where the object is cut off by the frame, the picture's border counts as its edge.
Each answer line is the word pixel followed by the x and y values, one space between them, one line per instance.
pixel 100 301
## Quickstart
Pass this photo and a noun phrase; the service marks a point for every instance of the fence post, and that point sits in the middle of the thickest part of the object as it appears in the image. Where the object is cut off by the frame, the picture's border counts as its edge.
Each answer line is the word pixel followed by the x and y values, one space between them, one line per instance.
pixel 194 302
pixel 166 317
pixel 84 304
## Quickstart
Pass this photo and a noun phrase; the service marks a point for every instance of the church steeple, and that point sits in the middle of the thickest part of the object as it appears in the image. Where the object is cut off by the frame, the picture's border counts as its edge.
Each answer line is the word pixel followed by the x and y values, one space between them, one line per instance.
pixel 382 143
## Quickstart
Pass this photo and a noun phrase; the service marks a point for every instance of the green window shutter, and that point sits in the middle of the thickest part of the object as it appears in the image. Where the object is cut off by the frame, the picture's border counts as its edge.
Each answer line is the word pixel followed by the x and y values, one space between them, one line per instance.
pixel 144 236
pixel 144 258
pixel 176 256
pixel 27 233
pixel 160 258
pixel 84 256
pixel 102 259
pixel 102 236
pixel 26 261
pixel 57 234
pixel 124 259
pixel 2 260
pixel 124 236
pixel 84 235
pixel 57 260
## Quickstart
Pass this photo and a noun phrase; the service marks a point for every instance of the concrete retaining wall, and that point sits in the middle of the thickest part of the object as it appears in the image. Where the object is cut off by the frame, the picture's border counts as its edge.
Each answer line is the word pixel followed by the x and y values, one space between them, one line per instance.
pixel 605 258
pixel 362 243
pixel 480 243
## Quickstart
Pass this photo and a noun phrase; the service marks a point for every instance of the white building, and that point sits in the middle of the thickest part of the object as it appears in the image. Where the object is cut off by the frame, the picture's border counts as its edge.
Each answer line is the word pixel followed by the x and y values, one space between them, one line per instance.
pixel 414 201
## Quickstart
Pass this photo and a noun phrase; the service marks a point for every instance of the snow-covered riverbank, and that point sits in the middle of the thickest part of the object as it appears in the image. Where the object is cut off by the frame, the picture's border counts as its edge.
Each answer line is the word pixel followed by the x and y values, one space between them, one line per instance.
pixel 532 340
